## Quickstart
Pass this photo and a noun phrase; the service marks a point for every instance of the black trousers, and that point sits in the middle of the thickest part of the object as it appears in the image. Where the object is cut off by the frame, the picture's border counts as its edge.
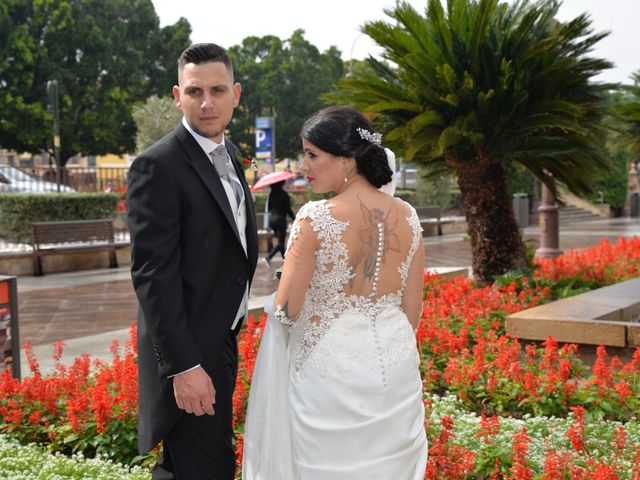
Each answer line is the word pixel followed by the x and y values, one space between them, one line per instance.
pixel 279 226
pixel 201 448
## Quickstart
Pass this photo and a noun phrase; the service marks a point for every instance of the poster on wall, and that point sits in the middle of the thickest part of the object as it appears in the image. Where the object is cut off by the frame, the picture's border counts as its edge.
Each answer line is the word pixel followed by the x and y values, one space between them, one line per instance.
pixel 9 336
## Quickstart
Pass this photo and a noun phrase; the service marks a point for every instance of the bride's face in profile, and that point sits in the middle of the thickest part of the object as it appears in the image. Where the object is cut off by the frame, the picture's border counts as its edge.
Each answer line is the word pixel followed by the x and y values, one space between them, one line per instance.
pixel 324 172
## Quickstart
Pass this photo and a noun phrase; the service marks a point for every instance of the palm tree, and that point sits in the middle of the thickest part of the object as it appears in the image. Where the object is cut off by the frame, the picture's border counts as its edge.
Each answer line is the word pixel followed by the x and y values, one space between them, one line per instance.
pixel 484 84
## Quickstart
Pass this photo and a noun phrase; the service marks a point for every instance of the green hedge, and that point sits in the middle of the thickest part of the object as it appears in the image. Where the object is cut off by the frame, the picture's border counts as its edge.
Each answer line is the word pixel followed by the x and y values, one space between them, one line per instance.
pixel 300 197
pixel 19 211
pixel 407 195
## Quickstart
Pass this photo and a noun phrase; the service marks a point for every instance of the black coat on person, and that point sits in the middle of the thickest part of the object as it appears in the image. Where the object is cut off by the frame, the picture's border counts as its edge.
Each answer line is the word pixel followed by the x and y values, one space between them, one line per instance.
pixel 189 269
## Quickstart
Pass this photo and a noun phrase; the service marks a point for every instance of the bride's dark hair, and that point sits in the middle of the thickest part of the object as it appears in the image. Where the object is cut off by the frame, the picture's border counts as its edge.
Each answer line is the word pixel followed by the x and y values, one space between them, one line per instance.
pixel 335 130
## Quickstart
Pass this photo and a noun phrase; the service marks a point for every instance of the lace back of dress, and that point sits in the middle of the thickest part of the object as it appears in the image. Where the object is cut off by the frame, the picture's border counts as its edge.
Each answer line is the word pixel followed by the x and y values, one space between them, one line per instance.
pixel 380 243
pixel 361 266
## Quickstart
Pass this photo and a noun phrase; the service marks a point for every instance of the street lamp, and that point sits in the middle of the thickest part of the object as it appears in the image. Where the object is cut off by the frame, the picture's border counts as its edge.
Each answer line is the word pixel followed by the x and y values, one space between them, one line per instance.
pixel 52 92
pixel 548 216
pixel 351 53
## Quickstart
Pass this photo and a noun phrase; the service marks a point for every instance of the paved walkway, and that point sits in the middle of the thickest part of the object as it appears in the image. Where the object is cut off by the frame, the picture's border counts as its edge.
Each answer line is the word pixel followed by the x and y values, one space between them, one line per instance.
pixel 89 309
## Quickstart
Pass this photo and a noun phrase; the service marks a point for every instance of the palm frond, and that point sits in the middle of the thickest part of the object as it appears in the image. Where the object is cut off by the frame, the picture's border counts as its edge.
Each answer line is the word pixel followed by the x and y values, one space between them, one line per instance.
pixel 507 80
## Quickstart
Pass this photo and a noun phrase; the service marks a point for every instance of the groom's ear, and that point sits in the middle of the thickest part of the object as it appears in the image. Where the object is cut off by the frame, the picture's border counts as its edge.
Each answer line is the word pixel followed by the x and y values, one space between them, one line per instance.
pixel 237 90
pixel 176 96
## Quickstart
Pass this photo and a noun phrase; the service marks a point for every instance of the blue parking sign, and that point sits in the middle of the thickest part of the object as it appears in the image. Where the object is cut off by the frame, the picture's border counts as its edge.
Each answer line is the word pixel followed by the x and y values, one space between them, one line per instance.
pixel 264 138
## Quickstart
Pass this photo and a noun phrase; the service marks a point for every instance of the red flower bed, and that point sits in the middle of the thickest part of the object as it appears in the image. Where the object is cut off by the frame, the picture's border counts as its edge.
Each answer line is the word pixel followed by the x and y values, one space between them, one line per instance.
pixel 91 407
pixel 468 353
pixel 601 265
pixel 86 407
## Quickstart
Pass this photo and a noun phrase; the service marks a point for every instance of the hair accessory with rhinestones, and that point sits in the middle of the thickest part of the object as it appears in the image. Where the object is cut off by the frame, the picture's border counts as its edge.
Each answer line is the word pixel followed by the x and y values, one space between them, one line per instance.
pixel 365 134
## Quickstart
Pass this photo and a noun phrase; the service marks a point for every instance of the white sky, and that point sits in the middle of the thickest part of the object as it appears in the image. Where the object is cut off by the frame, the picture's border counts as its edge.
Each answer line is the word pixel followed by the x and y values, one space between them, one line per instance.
pixel 337 22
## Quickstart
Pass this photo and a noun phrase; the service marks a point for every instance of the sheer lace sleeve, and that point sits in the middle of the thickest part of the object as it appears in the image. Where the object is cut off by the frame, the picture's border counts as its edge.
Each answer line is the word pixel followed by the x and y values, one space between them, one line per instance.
pixel 412 295
pixel 297 269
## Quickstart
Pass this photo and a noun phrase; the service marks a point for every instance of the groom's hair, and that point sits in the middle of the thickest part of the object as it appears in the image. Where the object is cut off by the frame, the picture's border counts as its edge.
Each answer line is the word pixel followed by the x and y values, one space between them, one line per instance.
pixel 205 52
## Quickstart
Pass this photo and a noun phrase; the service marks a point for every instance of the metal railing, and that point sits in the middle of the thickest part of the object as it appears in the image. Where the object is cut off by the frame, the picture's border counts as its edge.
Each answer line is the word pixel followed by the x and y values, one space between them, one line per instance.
pixel 40 179
pixel 80 179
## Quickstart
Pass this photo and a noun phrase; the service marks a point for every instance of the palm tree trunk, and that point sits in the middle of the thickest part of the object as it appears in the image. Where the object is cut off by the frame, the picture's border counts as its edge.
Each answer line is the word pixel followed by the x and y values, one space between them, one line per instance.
pixel 496 243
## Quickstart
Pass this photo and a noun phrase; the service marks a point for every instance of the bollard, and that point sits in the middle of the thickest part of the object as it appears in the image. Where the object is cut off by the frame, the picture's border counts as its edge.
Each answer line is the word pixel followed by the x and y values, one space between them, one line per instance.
pixel 521 209
pixel 634 205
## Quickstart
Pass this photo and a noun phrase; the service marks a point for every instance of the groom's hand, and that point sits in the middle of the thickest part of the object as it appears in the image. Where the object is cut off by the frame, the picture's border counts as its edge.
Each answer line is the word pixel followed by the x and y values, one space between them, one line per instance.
pixel 194 392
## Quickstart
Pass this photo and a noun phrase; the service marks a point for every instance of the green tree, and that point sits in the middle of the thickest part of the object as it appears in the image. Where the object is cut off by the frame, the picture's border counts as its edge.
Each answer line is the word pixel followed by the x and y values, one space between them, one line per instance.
pixel 107 55
pixel 628 108
pixel 435 190
pixel 481 86
pixel 620 146
pixel 284 79
pixel 154 119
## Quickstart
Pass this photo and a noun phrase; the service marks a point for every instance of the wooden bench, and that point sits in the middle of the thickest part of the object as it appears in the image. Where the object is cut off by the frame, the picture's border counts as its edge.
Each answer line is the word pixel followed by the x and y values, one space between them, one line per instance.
pixel 429 215
pixel 72 236
pixel 605 316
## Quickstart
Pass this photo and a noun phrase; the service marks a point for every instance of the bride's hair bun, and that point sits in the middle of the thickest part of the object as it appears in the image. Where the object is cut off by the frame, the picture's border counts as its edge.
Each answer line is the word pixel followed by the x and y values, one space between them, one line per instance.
pixel 339 131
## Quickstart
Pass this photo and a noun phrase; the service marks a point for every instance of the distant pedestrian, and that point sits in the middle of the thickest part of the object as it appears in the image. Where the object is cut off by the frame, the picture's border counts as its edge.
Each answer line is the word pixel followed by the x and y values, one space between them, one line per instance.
pixel 279 208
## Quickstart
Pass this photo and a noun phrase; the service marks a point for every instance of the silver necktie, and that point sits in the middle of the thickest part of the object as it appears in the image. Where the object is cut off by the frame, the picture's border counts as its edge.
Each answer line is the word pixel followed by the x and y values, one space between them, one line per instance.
pixel 221 161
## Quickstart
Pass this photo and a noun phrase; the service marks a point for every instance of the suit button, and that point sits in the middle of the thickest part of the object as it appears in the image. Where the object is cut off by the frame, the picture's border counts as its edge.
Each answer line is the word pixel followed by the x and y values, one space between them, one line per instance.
pixel 242 280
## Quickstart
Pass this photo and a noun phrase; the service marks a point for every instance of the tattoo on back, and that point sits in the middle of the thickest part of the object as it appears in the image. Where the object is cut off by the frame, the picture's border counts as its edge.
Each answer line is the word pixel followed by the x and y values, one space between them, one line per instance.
pixel 370 239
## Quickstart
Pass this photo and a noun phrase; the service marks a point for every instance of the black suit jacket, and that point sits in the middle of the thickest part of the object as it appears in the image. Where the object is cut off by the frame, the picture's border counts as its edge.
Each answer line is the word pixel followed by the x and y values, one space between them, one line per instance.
pixel 189 269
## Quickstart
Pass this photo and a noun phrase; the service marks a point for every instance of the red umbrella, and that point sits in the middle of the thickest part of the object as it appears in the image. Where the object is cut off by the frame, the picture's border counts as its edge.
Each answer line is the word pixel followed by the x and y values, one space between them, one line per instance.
pixel 271 178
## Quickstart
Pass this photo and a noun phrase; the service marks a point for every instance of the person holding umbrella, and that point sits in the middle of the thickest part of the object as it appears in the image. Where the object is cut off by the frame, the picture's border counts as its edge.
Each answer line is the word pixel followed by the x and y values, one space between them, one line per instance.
pixel 279 205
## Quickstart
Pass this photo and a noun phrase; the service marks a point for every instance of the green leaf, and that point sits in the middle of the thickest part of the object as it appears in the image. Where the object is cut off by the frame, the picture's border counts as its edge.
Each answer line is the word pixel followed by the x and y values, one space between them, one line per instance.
pixel 71 438
pixel 448 138
pixel 489 85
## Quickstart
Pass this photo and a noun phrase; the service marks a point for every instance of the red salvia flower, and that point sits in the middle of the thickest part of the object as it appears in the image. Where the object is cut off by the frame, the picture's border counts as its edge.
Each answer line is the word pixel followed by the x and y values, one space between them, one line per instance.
pixel 519 468
pixel 576 433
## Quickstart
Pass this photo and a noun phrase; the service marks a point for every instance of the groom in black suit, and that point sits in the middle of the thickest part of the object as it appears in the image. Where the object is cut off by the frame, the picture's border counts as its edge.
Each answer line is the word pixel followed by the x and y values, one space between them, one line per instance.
pixel 194 253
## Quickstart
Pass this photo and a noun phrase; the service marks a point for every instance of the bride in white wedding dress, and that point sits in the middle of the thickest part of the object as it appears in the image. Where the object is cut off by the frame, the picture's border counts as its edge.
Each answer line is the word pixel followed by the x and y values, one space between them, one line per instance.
pixel 337 392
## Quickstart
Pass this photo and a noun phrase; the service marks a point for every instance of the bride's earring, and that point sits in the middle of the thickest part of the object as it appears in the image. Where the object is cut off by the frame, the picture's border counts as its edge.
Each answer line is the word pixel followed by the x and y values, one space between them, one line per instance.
pixel 346 176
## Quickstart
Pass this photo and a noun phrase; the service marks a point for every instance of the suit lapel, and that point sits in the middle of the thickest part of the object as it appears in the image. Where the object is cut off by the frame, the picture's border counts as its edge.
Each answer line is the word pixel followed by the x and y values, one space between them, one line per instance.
pixel 207 173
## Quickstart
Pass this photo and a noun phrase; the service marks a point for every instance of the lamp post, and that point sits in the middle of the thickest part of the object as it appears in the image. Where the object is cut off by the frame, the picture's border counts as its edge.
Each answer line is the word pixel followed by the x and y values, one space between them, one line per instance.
pixel 52 92
pixel 633 187
pixel 351 53
pixel 535 202
pixel 549 225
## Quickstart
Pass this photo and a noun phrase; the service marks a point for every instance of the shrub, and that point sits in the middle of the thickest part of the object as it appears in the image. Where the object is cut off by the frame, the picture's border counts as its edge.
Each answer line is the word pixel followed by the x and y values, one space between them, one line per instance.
pixel 464 445
pixel 19 211
pixel 32 462
pixel 88 408
pixel 408 196
pixel 466 351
